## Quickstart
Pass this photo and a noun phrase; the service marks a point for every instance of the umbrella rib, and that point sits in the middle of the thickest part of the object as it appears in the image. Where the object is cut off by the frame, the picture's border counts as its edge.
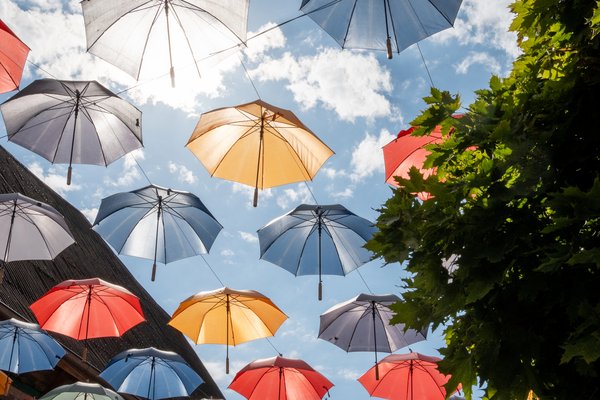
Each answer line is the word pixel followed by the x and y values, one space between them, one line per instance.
pixel 62 134
pixel 42 122
pixel 222 23
pixel 247 132
pixel 158 11
pixel 267 370
pixel 88 116
pixel 438 10
pixel 173 8
pixel 349 22
pixel 28 218
pixel 176 220
pixel 312 230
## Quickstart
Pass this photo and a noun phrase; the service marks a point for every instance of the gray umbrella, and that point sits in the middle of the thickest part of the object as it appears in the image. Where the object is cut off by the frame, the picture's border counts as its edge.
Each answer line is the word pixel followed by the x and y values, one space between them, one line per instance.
pixel 69 122
pixel 81 391
pixel 157 223
pixel 363 324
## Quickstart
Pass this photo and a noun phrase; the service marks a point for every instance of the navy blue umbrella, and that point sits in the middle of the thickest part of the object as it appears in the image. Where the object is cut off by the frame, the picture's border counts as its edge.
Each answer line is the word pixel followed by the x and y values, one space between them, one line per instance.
pixel 152 374
pixel 317 240
pixel 24 347
pixel 157 223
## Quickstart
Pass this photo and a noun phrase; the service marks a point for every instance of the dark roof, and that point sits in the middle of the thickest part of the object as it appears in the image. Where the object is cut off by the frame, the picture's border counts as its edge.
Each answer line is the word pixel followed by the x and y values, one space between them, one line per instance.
pixel 90 256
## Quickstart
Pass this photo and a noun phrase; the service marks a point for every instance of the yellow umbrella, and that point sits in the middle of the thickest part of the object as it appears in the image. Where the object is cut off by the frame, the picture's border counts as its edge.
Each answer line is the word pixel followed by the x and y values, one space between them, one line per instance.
pixel 258 145
pixel 227 316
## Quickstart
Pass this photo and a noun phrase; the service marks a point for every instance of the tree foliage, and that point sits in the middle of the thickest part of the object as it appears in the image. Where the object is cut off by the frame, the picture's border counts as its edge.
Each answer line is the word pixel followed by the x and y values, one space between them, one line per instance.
pixel 506 255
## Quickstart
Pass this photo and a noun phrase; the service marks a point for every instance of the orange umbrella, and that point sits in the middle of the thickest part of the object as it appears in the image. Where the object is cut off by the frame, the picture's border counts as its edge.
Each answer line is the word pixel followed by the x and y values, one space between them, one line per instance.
pixel 13 54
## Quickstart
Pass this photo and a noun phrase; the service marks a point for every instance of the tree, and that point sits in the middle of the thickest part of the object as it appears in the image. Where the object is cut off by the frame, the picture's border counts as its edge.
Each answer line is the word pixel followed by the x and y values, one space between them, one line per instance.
pixel 506 255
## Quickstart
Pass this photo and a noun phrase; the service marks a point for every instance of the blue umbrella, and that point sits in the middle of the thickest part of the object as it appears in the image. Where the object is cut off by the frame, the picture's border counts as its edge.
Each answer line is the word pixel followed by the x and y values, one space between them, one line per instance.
pixel 24 347
pixel 179 223
pixel 316 240
pixel 152 374
pixel 382 24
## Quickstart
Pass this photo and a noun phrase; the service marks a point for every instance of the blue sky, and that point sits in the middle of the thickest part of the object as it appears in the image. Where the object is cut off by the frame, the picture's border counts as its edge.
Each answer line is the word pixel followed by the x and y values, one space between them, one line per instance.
pixel 355 101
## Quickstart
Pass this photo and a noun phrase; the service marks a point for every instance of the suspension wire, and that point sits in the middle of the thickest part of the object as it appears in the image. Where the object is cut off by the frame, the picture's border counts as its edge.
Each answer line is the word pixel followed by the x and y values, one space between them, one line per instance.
pixel 365 282
pixel 41 69
pixel 425 64
pixel 141 169
pixel 274 348
pixel 311 193
pixel 212 270
pixel 249 77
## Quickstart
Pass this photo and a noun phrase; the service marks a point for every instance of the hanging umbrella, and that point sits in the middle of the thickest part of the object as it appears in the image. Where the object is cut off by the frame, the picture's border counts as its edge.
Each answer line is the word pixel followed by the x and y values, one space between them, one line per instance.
pixel 152 374
pixel 280 378
pixel 227 316
pixel 317 239
pixel 363 324
pixel 74 122
pixel 13 54
pixel 30 230
pixel 81 391
pixel 143 33
pixel 410 376
pixel 24 347
pixel 88 308
pixel 258 145
pixel 381 25
pixel 179 223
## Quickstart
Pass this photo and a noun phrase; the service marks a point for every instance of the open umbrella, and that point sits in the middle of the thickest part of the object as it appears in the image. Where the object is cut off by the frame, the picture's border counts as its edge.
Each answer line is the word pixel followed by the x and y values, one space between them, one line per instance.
pixel 24 347
pixel 227 316
pixel 88 308
pixel 13 54
pixel 363 324
pixel 150 373
pixel 157 223
pixel 81 391
pixel 162 33
pixel 317 239
pixel 280 378
pixel 381 25
pixel 258 145
pixel 30 230
pixel 72 122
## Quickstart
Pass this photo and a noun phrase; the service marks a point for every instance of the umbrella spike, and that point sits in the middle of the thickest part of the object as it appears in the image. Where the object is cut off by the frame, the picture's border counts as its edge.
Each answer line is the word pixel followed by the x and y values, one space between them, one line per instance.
pixel 376 371
pixel 172 73
pixel 227 365
pixel 389 48
pixel 320 290
pixel 255 202
pixel 153 272
pixel 69 173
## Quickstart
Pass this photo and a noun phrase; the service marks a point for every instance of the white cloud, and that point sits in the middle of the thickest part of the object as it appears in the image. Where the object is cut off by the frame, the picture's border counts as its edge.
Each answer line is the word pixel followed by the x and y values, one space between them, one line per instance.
pixel 344 194
pixel 184 174
pixel 248 191
pixel 131 170
pixel 333 173
pixel 258 46
pixel 248 237
pixel 55 177
pixel 90 213
pixel 489 62
pixel 367 156
pixel 227 253
pixel 349 374
pixel 300 194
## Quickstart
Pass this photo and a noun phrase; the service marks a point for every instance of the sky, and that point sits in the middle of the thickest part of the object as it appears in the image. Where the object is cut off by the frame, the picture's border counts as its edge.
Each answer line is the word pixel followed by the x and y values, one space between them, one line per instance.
pixel 355 101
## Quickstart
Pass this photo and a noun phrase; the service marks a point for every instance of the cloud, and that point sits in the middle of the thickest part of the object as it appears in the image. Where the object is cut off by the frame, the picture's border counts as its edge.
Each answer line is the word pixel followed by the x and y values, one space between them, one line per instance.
pixel 349 374
pixel 300 194
pixel 248 237
pixel 227 253
pixel 90 213
pixel 55 177
pixel 184 174
pixel 248 191
pixel 489 62
pixel 258 46
pixel 130 171
pixel 367 156
pixel 344 194
pixel 333 173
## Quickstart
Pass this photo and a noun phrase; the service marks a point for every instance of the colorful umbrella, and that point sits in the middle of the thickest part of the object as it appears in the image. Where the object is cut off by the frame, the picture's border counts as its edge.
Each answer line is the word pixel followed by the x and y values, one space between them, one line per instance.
pixel 78 122
pixel 317 239
pixel 258 145
pixel 81 391
pixel 179 223
pixel 280 378
pixel 381 25
pixel 24 347
pixel 227 316
pixel 88 308
pixel 363 324
pixel 152 374
pixel 13 54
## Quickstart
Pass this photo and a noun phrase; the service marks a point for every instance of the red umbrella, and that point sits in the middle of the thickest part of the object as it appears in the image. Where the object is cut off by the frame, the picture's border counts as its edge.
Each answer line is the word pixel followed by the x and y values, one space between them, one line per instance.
pixel 88 308
pixel 280 378
pixel 13 54
pixel 406 377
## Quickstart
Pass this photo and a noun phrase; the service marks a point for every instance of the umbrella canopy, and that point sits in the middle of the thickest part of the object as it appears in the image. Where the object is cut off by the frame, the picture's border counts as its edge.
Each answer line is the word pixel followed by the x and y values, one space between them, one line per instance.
pixel 74 122
pixel 227 316
pixel 178 221
pixel 24 347
pixel 145 33
pixel 280 378
pixel 258 145
pixel 363 324
pixel 381 25
pixel 152 374
pixel 81 391
pixel 410 376
pixel 316 239
pixel 13 54
pixel 30 230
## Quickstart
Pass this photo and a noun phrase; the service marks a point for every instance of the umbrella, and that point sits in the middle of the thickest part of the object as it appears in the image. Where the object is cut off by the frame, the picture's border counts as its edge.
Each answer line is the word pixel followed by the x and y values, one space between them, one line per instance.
pixel 136 33
pixel 381 25
pixel 227 316
pixel 13 54
pixel 258 145
pixel 88 308
pixel 78 122
pixel 363 324
pixel 280 378
pixel 317 239
pixel 407 377
pixel 81 391
pixel 151 374
pixel 30 230
pixel 179 223
pixel 24 347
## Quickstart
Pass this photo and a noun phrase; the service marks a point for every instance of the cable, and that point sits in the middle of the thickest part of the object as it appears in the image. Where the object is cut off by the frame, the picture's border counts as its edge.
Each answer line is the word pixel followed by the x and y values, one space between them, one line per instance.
pixel 248 75
pixel 212 270
pixel 425 64
pixel 311 193
pixel 365 282
pixel 141 169
pixel 42 69
pixel 274 348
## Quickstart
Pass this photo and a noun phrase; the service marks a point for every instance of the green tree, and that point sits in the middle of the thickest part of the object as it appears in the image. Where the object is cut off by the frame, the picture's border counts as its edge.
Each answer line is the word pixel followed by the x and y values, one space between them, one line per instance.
pixel 517 208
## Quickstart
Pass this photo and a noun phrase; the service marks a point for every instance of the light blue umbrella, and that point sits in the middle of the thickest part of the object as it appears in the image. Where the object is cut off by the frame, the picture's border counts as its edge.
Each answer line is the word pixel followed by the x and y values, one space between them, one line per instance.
pixel 317 240
pixel 81 391
pixel 24 347
pixel 152 374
